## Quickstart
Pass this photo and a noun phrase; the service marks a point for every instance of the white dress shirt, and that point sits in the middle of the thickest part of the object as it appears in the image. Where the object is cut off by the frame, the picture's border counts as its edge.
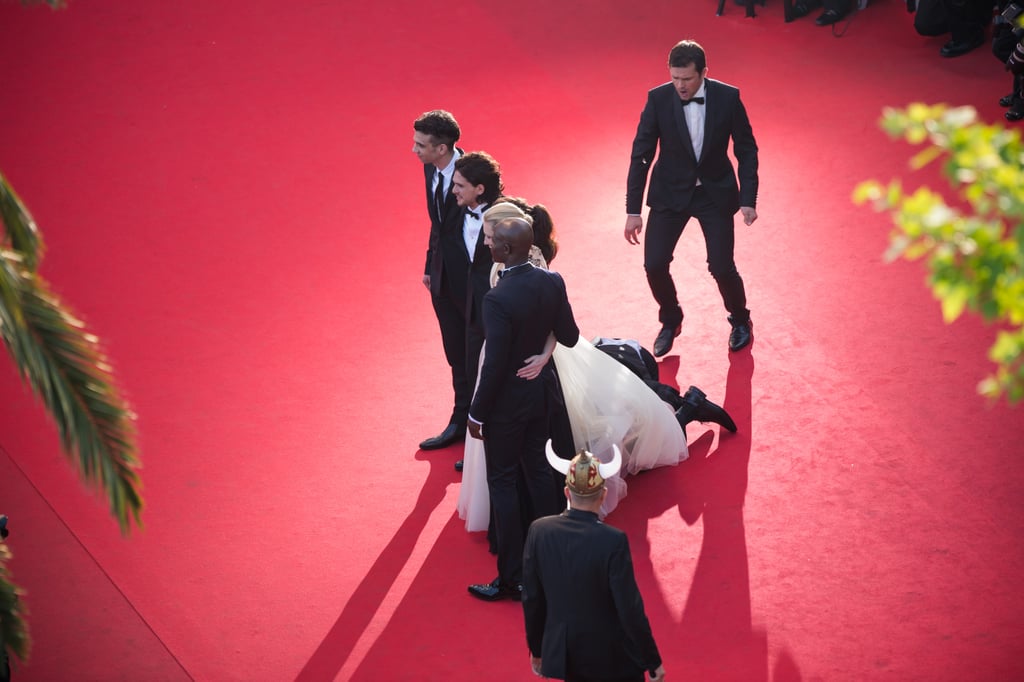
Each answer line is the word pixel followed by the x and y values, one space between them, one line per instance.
pixel 471 229
pixel 445 175
pixel 695 122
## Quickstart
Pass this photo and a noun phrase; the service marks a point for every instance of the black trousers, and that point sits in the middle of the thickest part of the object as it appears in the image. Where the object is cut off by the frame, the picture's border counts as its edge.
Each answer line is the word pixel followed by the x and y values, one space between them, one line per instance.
pixel 514 452
pixel 462 342
pixel 967 18
pixel 574 677
pixel 664 228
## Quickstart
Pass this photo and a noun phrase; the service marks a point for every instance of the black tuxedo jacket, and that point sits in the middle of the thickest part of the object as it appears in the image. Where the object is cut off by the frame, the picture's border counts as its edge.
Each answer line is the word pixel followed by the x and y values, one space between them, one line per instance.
pixel 478 272
pixel 663 125
pixel 438 226
pixel 582 606
pixel 520 311
pixel 448 262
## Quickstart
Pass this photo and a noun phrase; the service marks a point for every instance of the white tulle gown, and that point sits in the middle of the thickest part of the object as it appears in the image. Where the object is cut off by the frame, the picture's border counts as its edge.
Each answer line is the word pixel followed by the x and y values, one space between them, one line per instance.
pixel 607 405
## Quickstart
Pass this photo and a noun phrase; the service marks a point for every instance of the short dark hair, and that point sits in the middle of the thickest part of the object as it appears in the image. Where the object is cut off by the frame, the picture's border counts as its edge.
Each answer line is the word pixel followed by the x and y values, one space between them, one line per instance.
pixel 687 52
pixel 480 168
pixel 440 125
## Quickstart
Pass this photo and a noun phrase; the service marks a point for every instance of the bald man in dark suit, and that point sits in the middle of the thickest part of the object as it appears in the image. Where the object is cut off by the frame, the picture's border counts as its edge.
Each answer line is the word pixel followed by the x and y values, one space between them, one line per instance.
pixel 585 619
pixel 510 413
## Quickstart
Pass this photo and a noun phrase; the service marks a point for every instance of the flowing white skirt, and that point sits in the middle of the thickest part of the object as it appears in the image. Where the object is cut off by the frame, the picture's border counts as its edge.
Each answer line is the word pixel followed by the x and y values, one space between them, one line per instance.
pixel 608 405
pixel 474 499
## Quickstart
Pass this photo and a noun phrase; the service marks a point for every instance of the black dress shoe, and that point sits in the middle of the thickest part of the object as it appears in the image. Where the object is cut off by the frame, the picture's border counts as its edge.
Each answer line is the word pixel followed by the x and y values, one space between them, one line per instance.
pixel 740 336
pixel 452 434
pixel 955 48
pixel 828 17
pixel 697 407
pixel 663 342
pixel 1006 100
pixel 458 465
pixel 1015 114
pixel 496 591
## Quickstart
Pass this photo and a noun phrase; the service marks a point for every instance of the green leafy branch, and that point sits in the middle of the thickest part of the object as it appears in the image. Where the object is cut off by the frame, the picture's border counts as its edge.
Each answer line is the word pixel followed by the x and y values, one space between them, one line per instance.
pixel 974 257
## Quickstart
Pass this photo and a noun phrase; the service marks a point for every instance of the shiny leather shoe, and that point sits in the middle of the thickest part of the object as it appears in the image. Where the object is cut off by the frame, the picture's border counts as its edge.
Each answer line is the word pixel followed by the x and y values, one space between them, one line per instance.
pixel 740 336
pixel 663 342
pixel 496 591
pixel 1006 100
pixel 828 17
pixel 458 465
pixel 453 433
pixel 1014 114
pixel 697 407
pixel 955 48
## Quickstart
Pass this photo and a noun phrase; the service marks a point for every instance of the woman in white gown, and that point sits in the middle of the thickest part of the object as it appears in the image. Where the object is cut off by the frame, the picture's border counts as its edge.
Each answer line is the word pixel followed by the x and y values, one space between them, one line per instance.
pixel 607 403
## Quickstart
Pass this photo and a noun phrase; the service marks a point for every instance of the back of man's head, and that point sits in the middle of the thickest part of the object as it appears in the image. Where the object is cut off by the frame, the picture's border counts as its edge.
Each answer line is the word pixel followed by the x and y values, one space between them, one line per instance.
pixel 440 125
pixel 517 233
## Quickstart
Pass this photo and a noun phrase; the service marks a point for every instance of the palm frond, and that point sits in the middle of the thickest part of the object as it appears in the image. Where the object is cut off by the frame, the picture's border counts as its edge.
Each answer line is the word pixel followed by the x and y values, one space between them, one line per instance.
pixel 20 233
pixel 66 368
pixel 13 632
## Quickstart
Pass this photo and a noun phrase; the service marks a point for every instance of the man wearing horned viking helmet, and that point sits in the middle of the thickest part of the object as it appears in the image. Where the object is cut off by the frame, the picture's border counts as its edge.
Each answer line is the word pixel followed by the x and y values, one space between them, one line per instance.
pixel 585 617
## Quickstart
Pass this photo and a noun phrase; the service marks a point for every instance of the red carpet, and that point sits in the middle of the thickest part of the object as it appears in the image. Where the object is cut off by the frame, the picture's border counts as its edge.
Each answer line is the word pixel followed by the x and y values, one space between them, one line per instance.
pixel 229 199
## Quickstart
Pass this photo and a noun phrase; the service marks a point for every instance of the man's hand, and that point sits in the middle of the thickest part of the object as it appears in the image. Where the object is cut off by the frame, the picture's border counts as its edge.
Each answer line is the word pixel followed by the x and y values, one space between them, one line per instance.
pixel 659 674
pixel 749 214
pixel 634 226
pixel 535 665
pixel 475 430
pixel 426 281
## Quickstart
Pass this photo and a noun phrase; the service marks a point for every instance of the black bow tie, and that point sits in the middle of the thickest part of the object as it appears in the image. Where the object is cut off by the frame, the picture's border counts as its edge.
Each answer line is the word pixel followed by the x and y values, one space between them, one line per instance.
pixel 698 100
pixel 473 214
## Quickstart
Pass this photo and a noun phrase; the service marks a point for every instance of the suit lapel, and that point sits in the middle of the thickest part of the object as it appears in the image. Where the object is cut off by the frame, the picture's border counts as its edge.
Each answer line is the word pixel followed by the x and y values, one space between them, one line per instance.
pixel 449 203
pixel 680 118
pixel 710 120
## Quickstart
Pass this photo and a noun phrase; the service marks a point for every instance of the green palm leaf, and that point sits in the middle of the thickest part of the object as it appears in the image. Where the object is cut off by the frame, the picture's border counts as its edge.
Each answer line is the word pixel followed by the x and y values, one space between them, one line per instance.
pixel 66 368
pixel 21 234
pixel 13 633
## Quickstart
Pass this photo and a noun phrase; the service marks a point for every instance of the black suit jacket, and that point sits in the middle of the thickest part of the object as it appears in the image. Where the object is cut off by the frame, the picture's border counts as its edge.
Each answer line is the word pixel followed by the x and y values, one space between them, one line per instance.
pixel 448 260
pixel 478 279
pixel 452 213
pixel 582 606
pixel 663 124
pixel 520 311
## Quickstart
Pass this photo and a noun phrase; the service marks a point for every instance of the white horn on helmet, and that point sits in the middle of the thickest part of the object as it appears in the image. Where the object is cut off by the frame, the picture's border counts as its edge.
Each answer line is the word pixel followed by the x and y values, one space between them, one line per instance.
pixel 558 463
pixel 611 468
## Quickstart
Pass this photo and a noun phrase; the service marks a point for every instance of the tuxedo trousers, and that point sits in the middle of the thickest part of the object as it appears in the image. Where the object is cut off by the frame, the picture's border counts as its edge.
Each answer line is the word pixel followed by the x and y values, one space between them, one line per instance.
pixel 462 342
pixel 514 451
pixel 664 228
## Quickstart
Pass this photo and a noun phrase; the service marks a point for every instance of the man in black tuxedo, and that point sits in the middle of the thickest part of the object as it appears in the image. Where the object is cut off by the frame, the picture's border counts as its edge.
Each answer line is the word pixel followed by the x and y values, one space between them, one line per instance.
pixel 584 614
pixel 476 184
pixel 689 122
pixel 434 136
pixel 510 413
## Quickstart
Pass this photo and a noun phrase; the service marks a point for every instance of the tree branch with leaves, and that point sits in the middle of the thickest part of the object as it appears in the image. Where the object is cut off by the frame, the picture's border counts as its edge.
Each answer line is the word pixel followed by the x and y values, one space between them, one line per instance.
pixel 974 254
